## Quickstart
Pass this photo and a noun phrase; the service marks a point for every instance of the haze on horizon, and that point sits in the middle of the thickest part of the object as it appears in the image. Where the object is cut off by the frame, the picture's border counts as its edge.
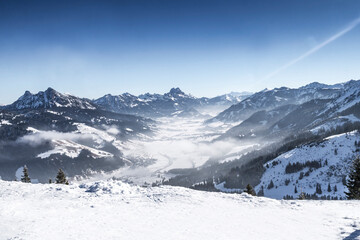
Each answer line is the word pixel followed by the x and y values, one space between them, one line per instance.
pixel 207 48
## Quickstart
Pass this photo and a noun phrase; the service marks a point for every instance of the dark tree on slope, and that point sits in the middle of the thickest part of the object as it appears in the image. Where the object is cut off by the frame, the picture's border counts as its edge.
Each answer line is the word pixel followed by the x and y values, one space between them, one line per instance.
pixel 318 188
pixel 61 178
pixel 250 190
pixel 329 188
pixel 25 177
pixel 353 182
pixel 271 184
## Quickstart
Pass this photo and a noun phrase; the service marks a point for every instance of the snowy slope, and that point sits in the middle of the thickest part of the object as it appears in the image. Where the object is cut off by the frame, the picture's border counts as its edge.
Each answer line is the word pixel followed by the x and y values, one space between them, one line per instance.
pixel 338 151
pixel 115 210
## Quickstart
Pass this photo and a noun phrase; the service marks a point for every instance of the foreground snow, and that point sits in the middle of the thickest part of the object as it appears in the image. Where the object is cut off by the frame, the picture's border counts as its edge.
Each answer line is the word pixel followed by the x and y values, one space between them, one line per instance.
pixel 115 210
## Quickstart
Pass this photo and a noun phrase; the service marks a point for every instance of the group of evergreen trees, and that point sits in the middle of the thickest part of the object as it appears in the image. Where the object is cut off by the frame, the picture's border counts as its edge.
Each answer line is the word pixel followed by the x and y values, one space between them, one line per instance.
pixel 353 182
pixel 297 166
pixel 60 177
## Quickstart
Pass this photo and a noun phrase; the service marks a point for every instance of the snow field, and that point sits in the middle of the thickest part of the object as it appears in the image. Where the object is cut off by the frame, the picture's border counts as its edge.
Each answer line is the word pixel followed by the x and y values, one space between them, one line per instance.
pixel 115 210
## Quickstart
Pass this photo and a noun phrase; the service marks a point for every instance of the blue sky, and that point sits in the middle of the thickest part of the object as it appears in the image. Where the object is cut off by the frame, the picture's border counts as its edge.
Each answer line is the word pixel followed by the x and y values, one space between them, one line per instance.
pixel 90 48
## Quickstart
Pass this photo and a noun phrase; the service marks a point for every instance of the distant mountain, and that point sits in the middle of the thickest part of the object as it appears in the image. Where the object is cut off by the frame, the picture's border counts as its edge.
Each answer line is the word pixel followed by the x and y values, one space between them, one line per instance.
pixel 49 99
pixel 168 104
pixel 271 99
pixel 338 107
pixel 50 130
pixel 229 99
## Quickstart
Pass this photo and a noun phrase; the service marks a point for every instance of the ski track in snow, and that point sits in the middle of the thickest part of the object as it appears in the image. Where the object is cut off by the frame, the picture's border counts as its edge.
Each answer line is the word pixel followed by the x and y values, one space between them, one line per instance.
pixel 116 210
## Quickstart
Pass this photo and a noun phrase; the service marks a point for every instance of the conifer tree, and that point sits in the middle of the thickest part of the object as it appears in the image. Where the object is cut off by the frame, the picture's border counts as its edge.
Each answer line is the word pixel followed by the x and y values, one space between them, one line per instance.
pixel 271 184
pixel 329 188
pixel 353 182
pixel 335 188
pixel 25 177
pixel 61 178
pixel 318 189
pixel 250 190
pixel 295 190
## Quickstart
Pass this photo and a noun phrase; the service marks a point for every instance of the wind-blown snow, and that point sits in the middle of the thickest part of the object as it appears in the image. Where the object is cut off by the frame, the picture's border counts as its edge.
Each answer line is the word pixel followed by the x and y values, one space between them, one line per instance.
pixel 115 210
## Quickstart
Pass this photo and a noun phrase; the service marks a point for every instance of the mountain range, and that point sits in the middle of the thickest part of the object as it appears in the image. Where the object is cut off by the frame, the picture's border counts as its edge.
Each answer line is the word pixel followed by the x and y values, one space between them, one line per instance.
pixel 49 130
pixel 172 103
pixel 283 111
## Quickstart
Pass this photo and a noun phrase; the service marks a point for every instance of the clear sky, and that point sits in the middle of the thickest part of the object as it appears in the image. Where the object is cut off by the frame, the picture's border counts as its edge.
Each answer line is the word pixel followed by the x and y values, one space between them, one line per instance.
pixel 207 48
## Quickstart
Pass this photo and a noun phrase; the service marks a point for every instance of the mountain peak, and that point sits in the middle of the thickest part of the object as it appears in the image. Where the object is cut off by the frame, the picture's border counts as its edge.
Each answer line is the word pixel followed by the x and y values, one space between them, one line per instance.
pixel 316 85
pixel 50 90
pixel 27 93
pixel 176 91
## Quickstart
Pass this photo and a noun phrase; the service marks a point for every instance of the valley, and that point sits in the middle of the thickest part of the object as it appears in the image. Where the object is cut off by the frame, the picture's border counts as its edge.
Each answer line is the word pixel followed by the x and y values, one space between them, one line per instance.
pixel 212 144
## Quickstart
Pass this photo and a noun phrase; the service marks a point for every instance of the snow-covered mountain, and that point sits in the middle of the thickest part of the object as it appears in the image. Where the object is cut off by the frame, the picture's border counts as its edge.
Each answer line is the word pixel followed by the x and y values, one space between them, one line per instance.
pixel 49 99
pixel 305 168
pixel 276 130
pixel 150 105
pixel 340 106
pixel 229 99
pixel 168 104
pixel 49 130
pixel 270 99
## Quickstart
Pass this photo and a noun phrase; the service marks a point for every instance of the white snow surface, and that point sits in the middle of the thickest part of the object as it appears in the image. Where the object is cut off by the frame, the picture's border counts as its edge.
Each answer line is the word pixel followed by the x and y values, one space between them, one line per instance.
pixel 116 210
pixel 338 151
pixel 5 122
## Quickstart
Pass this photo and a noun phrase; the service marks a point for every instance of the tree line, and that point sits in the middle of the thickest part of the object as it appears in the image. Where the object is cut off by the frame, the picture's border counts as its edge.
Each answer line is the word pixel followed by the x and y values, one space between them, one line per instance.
pixel 59 179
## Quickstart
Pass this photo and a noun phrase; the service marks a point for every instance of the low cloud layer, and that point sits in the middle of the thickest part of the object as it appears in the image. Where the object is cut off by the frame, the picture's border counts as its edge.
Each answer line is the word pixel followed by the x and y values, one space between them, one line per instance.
pixel 38 138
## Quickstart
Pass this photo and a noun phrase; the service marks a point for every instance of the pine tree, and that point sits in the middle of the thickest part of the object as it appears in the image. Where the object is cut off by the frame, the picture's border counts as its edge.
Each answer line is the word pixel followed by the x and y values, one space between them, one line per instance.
pixel 353 182
pixel 61 178
pixel 295 190
pixel 271 184
pixel 335 188
pixel 25 177
pixel 329 188
pixel 250 190
pixel 318 189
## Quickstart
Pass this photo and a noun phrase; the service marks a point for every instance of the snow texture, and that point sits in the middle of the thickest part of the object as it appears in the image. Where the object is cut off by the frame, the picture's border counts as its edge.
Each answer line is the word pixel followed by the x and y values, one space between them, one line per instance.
pixel 116 210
